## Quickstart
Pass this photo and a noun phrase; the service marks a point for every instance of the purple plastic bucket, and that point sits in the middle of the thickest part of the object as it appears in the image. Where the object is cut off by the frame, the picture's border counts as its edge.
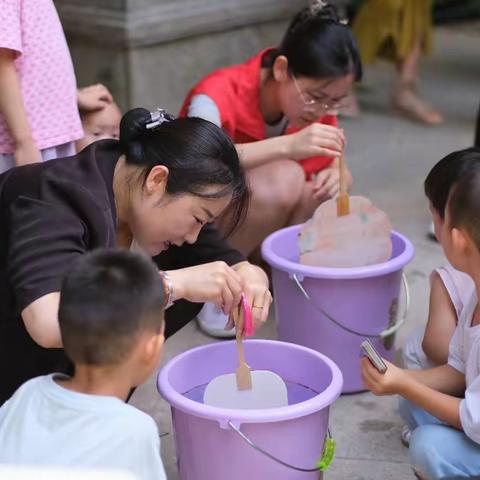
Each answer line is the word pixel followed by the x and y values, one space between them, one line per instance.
pixel 332 310
pixel 217 444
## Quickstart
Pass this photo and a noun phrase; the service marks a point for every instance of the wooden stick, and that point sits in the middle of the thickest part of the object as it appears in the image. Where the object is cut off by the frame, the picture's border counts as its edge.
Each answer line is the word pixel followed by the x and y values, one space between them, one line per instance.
pixel 243 373
pixel 343 200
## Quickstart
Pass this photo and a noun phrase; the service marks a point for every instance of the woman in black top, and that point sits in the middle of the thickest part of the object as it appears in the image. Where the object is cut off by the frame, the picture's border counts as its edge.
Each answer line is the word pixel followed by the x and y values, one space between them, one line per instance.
pixel 158 189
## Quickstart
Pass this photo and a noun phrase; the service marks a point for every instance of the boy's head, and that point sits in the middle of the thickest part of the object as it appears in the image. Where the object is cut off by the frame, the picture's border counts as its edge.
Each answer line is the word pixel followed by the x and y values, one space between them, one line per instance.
pixel 99 125
pixel 461 229
pixel 111 310
pixel 442 177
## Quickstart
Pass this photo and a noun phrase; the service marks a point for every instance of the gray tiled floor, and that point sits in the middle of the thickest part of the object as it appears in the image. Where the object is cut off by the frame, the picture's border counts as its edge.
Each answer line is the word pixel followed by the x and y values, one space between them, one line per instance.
pixel 389 157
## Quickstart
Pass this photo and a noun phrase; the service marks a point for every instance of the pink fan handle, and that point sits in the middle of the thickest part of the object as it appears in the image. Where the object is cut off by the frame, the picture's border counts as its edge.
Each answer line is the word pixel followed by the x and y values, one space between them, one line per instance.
pixel 248 328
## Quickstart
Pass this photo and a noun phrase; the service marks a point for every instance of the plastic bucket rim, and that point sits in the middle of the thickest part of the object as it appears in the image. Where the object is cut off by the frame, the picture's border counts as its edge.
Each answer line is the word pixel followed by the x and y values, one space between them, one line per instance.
pixel 378 269
pixel 222 415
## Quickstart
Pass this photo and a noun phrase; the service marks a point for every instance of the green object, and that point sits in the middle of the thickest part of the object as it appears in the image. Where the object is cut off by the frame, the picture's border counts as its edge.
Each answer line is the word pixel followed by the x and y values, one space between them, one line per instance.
pixel 327 455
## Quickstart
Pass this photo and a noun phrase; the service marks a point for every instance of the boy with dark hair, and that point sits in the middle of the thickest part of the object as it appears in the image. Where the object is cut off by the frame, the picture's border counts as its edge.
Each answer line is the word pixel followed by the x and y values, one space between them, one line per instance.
pixel 437 399
pixel 111 322
pixel 449 288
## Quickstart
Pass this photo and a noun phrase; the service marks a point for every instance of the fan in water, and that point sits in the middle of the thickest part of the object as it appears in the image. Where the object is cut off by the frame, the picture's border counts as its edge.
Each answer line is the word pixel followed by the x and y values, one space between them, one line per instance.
pixel 346 232
pixel 246 389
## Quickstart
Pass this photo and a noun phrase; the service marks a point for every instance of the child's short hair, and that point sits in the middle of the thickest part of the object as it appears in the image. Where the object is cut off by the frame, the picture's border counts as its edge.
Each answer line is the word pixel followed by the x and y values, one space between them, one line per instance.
pixel 446 173
pixel 107 299
pixel 464 203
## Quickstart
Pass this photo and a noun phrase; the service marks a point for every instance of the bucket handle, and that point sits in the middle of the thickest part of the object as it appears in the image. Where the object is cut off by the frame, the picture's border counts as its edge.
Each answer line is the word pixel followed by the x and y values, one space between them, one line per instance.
pixel 386 333
pixel 322 464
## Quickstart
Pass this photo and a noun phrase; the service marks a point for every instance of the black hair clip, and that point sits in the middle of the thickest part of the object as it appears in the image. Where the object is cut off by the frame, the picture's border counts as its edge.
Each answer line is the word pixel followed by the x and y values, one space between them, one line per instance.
pixel 157 117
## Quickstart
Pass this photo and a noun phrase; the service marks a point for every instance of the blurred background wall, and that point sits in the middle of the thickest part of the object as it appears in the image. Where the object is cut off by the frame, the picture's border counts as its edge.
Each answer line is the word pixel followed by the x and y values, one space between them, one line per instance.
pixel 150 52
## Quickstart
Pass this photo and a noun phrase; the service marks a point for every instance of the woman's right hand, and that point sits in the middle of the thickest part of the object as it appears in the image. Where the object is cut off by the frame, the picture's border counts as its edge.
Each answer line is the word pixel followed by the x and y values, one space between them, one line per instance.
pixel 316 140
pixel 213 282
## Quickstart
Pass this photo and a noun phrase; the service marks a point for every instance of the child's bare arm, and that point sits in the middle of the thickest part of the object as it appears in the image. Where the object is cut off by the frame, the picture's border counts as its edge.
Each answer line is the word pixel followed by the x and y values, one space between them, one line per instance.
pixel 442 321
pixel 444 378
pixel 13 110
pixel 398 381
pixel 440 405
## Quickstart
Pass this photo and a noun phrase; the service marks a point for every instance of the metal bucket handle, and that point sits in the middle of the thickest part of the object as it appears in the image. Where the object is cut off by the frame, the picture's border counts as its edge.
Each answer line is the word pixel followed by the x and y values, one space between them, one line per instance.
pixel 273 457
pixel 386 333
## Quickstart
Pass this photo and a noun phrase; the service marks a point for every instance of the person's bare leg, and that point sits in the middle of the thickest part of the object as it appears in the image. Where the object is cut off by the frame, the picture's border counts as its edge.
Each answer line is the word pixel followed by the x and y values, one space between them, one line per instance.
pixel 408 67
pixel 305 207
pixel 404 98
pixel 276 188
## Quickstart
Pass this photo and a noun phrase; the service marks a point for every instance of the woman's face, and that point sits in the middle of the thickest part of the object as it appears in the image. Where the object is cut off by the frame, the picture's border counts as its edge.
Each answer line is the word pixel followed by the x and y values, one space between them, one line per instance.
pixel 158 220
pixel 303 100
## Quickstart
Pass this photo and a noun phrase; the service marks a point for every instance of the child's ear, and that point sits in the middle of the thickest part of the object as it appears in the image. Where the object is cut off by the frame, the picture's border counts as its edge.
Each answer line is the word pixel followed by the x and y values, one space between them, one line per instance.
pixel 153 347
pixel 280 69
pixel 460 240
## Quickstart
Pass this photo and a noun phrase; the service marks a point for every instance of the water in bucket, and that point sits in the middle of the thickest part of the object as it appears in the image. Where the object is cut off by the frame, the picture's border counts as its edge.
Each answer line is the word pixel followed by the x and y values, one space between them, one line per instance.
pixel 296 393
pixel 246 389
pixel 215 443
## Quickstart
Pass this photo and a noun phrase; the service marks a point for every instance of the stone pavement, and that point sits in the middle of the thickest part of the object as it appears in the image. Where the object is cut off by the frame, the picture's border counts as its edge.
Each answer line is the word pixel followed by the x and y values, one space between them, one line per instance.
pixel 389 157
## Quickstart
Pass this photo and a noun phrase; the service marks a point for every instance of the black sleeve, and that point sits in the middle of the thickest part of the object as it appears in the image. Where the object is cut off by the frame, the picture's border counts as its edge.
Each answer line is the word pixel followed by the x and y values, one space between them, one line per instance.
pixel 210 246
pixel 44 241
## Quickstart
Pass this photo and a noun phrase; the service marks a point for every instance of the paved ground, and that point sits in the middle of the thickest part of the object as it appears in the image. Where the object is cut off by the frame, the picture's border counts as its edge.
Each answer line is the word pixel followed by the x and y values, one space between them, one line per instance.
pixel 389 157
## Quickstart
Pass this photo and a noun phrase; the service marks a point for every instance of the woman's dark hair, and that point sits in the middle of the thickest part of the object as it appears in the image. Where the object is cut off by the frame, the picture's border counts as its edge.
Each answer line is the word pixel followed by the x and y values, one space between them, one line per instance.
pixel 446 173
pixel 318 45
pixel 196 152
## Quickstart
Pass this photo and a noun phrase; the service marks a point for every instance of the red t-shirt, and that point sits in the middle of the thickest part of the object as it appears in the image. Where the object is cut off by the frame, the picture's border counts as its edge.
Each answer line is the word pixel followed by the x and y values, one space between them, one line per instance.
pixel 236 92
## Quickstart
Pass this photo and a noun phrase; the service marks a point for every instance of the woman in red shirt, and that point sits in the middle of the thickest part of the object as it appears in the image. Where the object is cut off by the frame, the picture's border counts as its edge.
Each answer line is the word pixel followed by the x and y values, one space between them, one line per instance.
pixel 280 109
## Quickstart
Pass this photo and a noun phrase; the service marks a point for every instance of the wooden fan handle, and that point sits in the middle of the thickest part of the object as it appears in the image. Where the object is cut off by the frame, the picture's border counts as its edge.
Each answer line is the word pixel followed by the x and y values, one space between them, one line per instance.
pixel 343 200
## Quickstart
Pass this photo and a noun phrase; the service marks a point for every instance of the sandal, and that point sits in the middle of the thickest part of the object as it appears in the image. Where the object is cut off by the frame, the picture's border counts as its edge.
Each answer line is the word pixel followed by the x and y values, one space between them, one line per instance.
pixel 405 436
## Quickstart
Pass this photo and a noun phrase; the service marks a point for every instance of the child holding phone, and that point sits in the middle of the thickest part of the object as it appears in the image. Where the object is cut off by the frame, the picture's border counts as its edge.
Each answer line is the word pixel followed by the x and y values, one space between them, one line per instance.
pixel 441 404
pixel 450 289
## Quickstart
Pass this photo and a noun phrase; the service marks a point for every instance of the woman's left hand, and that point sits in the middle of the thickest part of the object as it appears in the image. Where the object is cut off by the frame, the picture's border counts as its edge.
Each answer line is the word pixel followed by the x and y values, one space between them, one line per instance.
pixel 326 184
pixel 255 287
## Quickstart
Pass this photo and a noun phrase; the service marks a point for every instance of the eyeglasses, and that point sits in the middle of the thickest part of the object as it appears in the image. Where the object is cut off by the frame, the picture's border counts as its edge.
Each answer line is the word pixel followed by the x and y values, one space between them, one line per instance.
pixel 314 103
